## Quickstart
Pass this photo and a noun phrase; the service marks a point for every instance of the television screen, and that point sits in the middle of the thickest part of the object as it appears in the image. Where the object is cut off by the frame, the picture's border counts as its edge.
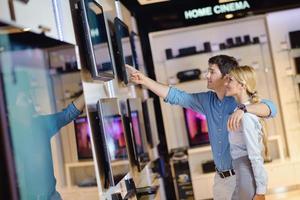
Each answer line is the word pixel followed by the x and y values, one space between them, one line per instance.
pixel 114 142
pixel 102 161
pixel 138 133
pixel 137 57
pixel 124 51
pixel 196 125
pixel 83 138
pixel 96 40
pixel 115 137
pixel 150 122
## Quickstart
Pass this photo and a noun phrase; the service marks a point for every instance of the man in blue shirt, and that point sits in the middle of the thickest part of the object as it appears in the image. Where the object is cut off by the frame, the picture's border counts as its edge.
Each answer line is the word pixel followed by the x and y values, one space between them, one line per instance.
pixel 32 149
pixel 219 111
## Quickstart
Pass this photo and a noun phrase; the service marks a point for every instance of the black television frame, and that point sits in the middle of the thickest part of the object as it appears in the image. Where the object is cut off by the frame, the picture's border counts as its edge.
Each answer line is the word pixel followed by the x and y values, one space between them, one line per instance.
pixel 133 48
pixel 188 132
pixel 150 122
pixel 88 44
pixel 97 147
pixel 120 57
pixel 110 181
pixel 79 157
pixel 141 159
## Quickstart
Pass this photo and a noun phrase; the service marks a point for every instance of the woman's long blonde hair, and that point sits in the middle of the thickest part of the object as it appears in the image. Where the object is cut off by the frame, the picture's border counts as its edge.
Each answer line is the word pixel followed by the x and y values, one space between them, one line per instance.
pixel 246 75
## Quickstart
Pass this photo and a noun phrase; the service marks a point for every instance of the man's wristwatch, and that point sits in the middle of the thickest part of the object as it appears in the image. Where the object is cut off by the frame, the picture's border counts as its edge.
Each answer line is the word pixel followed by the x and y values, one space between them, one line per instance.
pixel 242 107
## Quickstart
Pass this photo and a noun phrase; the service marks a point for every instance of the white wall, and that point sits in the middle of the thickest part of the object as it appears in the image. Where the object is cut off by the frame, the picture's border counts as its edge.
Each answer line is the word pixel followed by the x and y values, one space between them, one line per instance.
pixel 279 24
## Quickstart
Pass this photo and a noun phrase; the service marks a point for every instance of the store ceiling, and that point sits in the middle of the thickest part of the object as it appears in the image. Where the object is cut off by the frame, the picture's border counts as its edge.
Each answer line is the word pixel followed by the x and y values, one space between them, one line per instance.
pixel 156 15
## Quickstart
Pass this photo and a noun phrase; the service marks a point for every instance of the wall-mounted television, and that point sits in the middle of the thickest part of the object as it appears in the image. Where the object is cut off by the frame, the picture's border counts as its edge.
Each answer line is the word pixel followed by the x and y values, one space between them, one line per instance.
pixel 137 132
pixel 124 53
pixel 96 41
pixel 102 162
pixel 83 138
pixel 196 126
pixel 150 122
pixel 114 139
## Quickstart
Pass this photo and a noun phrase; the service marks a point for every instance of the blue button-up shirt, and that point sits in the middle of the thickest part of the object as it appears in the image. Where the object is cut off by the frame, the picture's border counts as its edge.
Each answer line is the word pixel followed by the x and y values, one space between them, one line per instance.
pixel 33 153
pixel 217 112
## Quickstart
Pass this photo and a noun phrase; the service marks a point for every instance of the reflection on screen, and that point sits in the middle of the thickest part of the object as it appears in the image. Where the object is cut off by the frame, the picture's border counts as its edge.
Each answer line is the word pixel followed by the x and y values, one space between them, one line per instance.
pixel 136 50
pixel 115 137
pixel 197 127
pixel 84 149
pixel 126 48
pixel 99 37
pixel 137 132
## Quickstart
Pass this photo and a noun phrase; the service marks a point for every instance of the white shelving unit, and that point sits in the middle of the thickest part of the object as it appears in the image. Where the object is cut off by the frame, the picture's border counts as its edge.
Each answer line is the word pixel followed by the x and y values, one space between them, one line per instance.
pixel 70 166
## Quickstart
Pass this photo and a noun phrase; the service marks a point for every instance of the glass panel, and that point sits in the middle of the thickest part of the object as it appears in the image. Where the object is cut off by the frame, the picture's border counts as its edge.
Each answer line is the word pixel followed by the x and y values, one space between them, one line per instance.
pixel 28 97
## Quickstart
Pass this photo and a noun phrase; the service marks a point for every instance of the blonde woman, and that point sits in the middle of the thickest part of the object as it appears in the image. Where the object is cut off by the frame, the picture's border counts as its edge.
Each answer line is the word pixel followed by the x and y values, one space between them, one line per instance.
pixel 246 144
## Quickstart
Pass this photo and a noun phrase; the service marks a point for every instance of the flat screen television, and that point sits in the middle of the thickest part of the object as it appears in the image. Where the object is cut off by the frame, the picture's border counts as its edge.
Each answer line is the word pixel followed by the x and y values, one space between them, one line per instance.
pixel 137 132
pixel 114 141
pixel 102 161
pixel 137 57
pixel 124 53
pixel 196 126
pixel 96 41
pixel 83 138
pixel 150 122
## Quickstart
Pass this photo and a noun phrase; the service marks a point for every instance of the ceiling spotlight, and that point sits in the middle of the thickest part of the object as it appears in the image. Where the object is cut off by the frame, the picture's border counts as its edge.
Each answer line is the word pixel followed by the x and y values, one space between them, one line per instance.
pixel 26 29
pixel 229 16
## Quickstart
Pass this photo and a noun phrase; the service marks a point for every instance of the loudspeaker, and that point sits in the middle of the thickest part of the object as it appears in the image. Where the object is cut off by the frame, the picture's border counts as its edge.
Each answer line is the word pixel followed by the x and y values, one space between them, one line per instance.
pixel 208 166
pixel 188 75
pixel 255 40
pixel 247 39
pixel 238 41
pixel 207 47
pixel 169 54
pixel 294 39
pixel 229 42
pixel 222 46
pixel 187 51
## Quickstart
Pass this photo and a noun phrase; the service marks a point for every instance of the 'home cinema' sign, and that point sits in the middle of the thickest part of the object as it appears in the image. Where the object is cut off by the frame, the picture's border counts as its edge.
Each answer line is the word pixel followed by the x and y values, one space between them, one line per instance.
pixel 228 7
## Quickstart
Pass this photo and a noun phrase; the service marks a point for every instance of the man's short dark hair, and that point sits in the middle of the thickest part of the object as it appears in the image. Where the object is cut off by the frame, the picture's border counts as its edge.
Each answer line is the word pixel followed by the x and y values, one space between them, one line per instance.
pixel 224 62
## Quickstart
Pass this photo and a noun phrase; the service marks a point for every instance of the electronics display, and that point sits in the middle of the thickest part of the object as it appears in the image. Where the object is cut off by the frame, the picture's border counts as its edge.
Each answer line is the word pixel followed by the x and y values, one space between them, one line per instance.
pixel 124 51
pixel 150 122
pixel 136 50
pixel 196 125
pixel 114 141
pixel 115 137
pixel 103 163
pixel 138 132
pixel 188 75
pixel 230 42
pixel 297 64
pixel 181 175
pixel 83 138
pixel 294 39
pixel 95 39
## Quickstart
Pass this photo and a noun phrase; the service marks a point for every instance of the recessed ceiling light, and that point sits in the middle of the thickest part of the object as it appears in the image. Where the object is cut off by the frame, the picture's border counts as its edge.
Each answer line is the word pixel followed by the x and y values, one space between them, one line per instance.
pixel 229 16
pixel 143 2
pixel 26 29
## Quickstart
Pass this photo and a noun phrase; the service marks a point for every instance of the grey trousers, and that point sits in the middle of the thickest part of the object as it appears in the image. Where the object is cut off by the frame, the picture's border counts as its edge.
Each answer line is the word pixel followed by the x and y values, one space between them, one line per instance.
pixel 245 183
pixel 224 188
